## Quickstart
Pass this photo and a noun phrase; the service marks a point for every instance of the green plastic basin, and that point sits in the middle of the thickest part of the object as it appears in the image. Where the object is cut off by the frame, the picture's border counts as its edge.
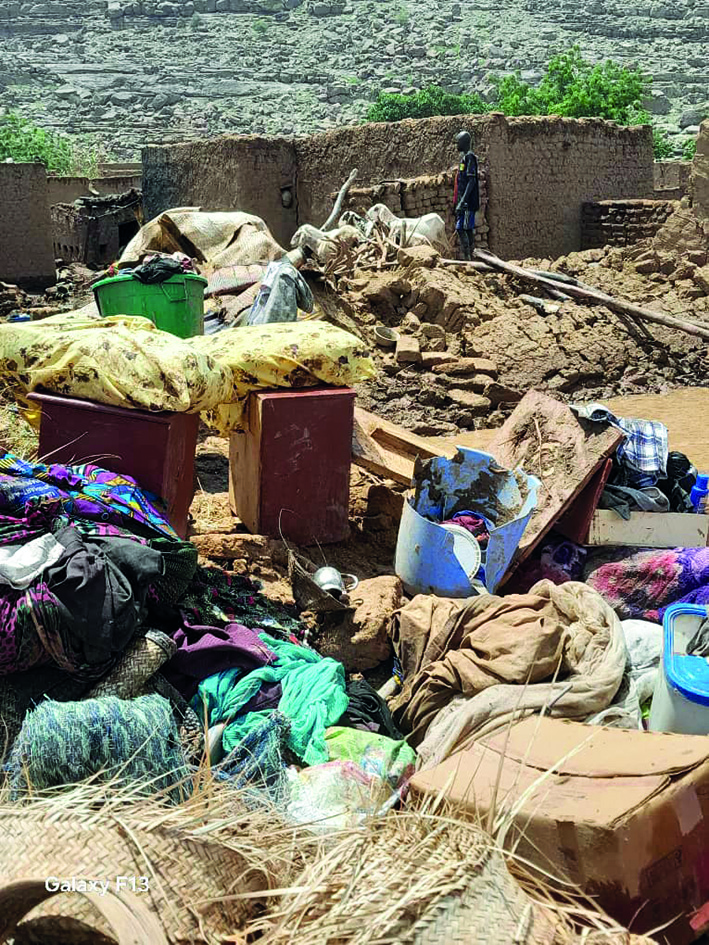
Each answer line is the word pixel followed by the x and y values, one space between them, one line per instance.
pixel 176 305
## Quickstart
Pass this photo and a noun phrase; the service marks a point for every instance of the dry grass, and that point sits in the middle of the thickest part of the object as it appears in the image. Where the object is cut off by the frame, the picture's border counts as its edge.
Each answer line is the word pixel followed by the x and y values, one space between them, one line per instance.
pixel 404 877
pixel 16 434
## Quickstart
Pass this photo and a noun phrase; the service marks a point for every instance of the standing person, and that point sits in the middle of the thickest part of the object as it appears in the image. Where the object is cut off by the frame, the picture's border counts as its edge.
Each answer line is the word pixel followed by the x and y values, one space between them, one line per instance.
pixel 466 195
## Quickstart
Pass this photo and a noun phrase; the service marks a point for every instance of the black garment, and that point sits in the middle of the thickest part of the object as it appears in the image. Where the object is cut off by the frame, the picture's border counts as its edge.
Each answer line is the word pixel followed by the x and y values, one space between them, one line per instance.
pixel 158 270
pixel 100 586
pixel 367 708
pixel 467 173
pixel 681 478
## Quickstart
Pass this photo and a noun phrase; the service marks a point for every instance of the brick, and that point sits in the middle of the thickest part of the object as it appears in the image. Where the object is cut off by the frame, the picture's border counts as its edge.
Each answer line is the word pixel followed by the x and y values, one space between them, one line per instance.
pixel 430 359
pixel 465 366
pixel 408 350
pixel 475 403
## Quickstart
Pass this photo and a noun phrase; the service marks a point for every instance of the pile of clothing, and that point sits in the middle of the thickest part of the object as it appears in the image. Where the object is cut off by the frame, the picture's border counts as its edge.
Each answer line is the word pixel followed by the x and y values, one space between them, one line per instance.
pixel 116 649
pixel 646 476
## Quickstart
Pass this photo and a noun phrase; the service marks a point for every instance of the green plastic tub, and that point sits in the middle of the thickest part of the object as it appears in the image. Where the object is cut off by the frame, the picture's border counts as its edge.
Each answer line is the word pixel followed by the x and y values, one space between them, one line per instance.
pixel 176 305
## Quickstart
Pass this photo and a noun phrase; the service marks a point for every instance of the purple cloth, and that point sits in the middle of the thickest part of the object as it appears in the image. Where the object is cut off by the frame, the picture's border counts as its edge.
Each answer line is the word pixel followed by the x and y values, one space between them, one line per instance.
pixel 643 584
pixel 204 651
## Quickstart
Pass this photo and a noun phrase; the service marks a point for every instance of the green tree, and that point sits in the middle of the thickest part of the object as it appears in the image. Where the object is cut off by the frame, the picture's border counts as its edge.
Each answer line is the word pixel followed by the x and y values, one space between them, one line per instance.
pixel 425 103
pixel 575 88
pixel 25 143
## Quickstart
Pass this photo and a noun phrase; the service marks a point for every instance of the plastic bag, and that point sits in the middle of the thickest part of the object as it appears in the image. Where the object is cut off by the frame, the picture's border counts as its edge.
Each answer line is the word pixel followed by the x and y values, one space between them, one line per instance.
pixel 283 291
pixel 335 796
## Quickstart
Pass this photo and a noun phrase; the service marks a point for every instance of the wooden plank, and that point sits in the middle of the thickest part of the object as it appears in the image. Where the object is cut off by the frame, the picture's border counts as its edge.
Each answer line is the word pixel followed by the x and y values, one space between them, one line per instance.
pixel 389 450
pixel 649 529
pixel 547 440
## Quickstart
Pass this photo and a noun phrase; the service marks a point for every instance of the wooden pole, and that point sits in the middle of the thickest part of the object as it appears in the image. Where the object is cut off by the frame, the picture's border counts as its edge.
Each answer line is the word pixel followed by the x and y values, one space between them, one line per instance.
pixel 588 294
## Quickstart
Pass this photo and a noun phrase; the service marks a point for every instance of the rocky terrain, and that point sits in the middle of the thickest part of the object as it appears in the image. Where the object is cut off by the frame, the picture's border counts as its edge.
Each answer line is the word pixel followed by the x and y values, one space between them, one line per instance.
pixel 135 72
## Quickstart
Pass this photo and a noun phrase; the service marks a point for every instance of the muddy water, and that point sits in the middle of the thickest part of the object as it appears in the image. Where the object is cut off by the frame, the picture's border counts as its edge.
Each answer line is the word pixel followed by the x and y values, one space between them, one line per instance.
pixel 685 413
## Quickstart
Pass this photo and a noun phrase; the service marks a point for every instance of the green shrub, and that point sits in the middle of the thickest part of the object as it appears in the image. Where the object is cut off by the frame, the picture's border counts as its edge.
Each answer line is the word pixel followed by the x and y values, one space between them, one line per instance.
pixel 661 145
pixel 25 143
pixel 689 149
pixel 575 88
pixel 426 103
pixel 260 26
pixel 402 16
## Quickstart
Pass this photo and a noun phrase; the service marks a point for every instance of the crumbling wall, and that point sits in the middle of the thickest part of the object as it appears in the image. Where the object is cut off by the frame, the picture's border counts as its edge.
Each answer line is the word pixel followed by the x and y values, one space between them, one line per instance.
pixel 622 222
pixel 381 153
pixel 67 189
pixel 26 254
pixel 700 174
pixel 256 175
pixel 541 171
pixel 93 230
pixel 672 179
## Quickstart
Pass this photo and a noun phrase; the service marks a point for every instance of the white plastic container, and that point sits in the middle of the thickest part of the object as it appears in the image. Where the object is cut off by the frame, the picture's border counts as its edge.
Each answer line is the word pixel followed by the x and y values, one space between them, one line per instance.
pixel 681 699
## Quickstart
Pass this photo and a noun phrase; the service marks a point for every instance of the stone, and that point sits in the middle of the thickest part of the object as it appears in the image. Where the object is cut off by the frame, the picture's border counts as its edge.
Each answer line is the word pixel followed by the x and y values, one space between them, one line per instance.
pixel 465 366
pixel 360 640
pixel 701 279
pixel 433 331
pixel 694 116
pixel 475 403
pixel 423 257
pixel 478 382
pixel 499 394
pixel 431 359
pixel 658 103
pixel 408 350
pixel 646 266
pixel 410 323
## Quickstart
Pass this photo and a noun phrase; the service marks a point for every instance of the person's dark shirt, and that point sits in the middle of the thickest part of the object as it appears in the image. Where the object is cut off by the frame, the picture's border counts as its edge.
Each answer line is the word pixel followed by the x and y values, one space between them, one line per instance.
pixel 467 171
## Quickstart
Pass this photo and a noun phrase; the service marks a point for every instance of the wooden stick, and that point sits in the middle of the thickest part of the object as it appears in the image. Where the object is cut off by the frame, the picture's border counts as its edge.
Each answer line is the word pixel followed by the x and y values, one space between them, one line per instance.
pixel 340 200
pixel 593 295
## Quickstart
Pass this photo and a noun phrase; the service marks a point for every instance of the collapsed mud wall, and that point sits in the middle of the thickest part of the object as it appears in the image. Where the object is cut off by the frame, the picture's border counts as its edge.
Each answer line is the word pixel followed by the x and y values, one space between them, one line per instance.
pixel 622 222
pixel 539 172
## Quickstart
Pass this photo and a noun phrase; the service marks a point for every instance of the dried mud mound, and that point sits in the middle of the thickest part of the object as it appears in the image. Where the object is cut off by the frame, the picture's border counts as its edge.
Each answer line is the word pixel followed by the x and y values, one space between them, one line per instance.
pixel 573 350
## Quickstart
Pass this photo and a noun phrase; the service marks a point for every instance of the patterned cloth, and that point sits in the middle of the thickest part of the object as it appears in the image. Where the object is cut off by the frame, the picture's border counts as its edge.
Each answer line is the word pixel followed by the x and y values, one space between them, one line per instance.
pixel 231 280
pixel 645 449
pixel 125 361
pixel 88 492
pixel 643 584
pixel 134 741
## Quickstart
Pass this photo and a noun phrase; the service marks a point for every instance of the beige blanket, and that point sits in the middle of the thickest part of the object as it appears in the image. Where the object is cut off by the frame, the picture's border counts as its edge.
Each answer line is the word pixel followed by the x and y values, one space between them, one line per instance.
pixel 472 666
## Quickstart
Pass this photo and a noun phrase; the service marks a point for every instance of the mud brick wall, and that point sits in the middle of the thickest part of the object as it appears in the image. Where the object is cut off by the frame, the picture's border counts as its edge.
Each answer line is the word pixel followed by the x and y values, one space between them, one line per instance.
pixel 96 230
pixel 539 172
pixel 26 253
pixel 622 222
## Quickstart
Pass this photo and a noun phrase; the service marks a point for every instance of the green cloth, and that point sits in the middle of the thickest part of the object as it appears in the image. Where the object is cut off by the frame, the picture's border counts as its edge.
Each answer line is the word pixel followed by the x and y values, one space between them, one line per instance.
pixel 378 755
pixel 313 698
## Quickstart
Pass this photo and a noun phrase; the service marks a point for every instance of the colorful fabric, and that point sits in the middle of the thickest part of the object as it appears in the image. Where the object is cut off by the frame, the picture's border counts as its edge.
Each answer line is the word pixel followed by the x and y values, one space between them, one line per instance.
pixel 643 584
pixel 126 361
pixel 644 450
pixel 392 761
pixel 215 599
pixel 207 651
pixel 258 760
pixel 133 741
pixel 465 220
pixel 313 698
pixel 81 491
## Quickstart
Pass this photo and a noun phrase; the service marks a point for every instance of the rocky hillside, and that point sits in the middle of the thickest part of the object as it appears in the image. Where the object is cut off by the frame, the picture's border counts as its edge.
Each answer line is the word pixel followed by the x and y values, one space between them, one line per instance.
pixel 141 71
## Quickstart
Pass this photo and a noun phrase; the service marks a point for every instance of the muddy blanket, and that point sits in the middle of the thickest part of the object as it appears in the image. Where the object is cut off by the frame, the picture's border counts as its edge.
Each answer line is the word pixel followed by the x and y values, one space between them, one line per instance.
pixel 470 666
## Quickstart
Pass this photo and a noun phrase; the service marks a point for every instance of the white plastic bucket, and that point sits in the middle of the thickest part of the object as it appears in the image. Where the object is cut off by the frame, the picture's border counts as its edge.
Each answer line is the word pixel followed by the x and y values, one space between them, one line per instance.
pixel 681 699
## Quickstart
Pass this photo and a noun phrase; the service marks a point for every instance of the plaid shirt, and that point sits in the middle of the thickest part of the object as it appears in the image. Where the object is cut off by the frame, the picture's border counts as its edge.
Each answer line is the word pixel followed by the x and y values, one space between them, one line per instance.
pixel 645 449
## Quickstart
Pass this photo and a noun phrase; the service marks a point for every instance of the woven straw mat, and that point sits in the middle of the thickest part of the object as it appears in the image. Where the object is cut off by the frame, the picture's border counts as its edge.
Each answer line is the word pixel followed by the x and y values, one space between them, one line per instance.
pixel 189 878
